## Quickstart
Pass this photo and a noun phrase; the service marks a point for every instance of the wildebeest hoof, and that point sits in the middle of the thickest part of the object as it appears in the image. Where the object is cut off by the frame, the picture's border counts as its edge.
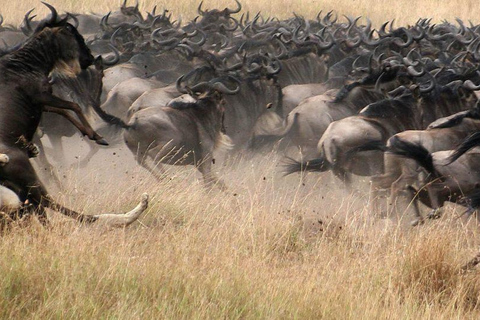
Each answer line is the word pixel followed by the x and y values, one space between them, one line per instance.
pixel 417 222
pixel 434 214
pixel 102 142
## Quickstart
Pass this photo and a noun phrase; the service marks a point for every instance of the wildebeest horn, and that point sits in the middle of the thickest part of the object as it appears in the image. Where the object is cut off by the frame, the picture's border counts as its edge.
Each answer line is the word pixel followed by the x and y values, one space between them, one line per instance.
pixel 408 42
pixel 104 21
pixel 234 27
pixel 124 4
pixel 199 9
pixel 178 85
pixel 414 73
pixel 377 83
pixel 115 59
pixel 221 87
pixel 239 7
pixel 76 23
pixel 254 67
pixel 431 86
pixel 382 31
pixel 470 85
pixel 54 16
pixel 27 20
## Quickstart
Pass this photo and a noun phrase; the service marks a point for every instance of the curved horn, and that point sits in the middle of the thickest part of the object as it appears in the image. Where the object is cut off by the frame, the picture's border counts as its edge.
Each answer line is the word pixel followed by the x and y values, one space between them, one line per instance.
pixel 76 23
pixel 414 73
pixel 430 87
pixel 54 16
pixel 104 21
pixel 27 29
pixel 398 41
pixel 221 87
pixel 178 85
pixel 115 59
pixel 233 28
pixel 470 85
pixel 199 9
pixel 124 4
pixel 239 7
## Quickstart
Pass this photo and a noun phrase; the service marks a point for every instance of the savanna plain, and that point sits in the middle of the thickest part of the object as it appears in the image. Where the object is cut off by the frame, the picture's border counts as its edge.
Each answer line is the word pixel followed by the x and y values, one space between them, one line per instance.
pixel 271 247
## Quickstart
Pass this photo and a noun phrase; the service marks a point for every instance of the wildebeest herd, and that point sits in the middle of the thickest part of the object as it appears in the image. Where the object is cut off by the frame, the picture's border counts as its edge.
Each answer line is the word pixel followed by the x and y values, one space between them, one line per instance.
pixel 391 103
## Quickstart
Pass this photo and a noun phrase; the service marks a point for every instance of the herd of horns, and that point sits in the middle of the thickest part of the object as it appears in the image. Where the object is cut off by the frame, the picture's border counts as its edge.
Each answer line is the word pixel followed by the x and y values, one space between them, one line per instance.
pixel 395 103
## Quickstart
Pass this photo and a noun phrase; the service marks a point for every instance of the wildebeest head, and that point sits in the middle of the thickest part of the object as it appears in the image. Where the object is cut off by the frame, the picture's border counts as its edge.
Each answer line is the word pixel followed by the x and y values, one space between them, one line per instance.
pixel 74 55
pixel 215 16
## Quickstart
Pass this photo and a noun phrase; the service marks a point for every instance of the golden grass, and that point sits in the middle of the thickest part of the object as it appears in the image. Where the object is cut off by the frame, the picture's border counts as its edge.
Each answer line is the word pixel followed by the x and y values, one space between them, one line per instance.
pixel 269 248
pixel 404 11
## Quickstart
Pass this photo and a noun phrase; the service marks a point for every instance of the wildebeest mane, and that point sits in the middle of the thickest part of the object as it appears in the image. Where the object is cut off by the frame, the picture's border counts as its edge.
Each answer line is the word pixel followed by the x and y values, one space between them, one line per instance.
pixel 387 109
pixel 371 79
pixel 473 113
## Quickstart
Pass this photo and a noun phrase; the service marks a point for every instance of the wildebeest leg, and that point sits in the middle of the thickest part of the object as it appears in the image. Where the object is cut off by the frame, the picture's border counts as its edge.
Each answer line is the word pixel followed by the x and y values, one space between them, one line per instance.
pixel 412 195
pixel 42 158
pixel 60 106
pixel 380 186
pixel 93 151
pixel 156 169
pixel 435 194
pixel 209 178
pixel 345 176
pixel 56 142
pixel 21 177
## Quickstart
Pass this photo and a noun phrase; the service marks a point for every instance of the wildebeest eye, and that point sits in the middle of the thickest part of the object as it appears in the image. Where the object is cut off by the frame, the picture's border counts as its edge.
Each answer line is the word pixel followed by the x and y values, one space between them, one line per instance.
pixel 69 27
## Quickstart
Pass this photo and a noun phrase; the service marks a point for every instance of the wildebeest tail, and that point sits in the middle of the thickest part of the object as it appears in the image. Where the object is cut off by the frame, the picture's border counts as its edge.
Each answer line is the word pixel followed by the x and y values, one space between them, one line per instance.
pixel 315 165
pixel 108 118
pixel 375 145
pixel 275 134
pixel 467 144
pixel 413 151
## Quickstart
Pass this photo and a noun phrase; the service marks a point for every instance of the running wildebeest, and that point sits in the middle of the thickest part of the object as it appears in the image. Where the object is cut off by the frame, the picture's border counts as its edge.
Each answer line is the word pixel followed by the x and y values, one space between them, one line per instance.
pixel 183 132
pixel 446 181
pixel 25 93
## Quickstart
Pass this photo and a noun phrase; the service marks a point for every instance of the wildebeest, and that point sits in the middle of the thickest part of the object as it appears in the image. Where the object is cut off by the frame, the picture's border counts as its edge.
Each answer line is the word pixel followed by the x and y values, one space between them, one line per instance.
pixel 25 93
pixel 446 181
pixel 443 134
pixel 183 132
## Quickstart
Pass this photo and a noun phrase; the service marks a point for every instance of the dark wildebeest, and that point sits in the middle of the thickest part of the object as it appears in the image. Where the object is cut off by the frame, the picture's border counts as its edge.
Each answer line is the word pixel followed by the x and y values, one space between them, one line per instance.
pixel 25 93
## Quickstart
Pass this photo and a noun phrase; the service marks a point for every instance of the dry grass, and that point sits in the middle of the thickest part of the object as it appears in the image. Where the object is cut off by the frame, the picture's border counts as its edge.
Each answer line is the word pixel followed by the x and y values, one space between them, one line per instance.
pixel 271 247
pixel 404 11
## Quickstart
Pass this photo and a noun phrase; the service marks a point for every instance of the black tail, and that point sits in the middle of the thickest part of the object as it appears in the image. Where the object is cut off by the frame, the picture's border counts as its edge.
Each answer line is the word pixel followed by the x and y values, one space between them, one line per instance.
pixel 376 145
pixel 467 144
pixel 108 118
pixel 316 165
pixel 413 151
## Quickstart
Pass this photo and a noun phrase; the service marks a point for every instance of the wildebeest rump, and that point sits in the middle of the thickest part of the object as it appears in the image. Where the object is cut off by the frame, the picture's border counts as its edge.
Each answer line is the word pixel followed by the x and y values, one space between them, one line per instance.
pixel 25 92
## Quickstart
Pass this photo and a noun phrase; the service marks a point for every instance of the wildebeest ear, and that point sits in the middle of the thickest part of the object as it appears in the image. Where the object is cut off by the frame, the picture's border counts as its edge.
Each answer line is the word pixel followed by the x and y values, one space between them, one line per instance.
pixel 415 89
pixel 98 63
pixel 190 92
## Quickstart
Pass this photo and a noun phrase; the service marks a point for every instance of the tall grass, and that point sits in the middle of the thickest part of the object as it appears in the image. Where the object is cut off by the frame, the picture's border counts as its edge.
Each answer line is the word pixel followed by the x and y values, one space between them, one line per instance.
pixel 269 248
